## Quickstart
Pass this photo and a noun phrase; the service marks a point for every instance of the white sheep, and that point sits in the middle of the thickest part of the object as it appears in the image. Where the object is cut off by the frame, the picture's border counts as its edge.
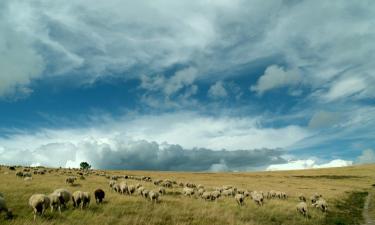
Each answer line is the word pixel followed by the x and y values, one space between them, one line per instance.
pixel 258 198
pixel 154 196
pixel 162 191
pixel 64 194
pixel 240 199
pixel 4 208
pixel 145 193
pixel 229 192
pixel 39 203
pixel 188 191
pixel 70 180
pixel 55 201
pixel 131 189
pixel 81 197
pixel 321 204
pixel 123 188
pixel 207 196
pixel 302 208
pixel 215 195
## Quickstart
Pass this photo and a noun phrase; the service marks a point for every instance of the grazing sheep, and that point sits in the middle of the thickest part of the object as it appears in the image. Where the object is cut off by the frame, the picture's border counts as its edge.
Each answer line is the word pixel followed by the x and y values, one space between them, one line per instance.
pixel 200 191
pixel 321 204
pixel 55 201
pixel 145 193
pixel 140 190
pixel 188 191
pixel 302 208
pixel 271 194
pixel 215 195
pixel 111 183
pixel 315 197
pixel 258 198
pixel 131 189
pixel 28 179
pixel 39 203
pixel 229 192
pixel 70 180
pixel 4 208
pixel 162 191
pixel 99 195
pixel 302 198
pixel 65 196
pixel 240 199
pixel 81 197
pixel 123 188
pixel 116 187
pixel 154 196
pixel 246 193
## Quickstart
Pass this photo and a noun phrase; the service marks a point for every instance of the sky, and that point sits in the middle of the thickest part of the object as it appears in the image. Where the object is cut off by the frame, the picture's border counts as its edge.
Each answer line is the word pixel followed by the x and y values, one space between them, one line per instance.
pixel 209 85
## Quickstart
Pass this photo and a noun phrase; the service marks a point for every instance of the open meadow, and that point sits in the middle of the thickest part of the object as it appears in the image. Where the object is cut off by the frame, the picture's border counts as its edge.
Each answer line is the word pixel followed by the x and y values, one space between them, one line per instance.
pixel 344 189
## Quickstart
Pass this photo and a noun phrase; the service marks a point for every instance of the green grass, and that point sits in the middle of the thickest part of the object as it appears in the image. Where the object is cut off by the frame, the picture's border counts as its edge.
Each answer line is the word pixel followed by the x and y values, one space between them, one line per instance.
pixel 348 211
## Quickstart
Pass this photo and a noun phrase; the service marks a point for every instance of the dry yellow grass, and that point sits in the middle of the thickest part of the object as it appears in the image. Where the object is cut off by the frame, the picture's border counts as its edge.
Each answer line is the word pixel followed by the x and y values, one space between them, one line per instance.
pixel 334 184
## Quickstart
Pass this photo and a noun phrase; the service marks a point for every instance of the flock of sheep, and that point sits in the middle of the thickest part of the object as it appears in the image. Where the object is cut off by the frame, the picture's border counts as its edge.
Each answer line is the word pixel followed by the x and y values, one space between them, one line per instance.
pixel 59 198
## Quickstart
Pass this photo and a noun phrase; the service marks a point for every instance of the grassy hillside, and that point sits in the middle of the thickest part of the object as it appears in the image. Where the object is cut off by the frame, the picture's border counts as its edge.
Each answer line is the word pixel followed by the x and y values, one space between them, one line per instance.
pixel 343 188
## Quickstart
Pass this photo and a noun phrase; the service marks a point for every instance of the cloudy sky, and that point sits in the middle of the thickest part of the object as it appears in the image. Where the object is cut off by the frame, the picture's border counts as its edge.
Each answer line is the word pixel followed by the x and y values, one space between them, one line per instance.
pixel 209 85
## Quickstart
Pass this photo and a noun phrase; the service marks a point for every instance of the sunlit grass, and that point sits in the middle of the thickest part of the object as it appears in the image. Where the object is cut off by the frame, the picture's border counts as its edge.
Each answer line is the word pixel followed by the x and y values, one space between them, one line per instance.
pixel 334 184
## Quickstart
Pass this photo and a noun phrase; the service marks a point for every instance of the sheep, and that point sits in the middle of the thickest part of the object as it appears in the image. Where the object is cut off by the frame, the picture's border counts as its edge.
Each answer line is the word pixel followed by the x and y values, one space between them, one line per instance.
pixel 81 197
pixel 271 194
pixel 112 183
pixel 65 196
pixel 70 180
pixel 116 187
pixel 315 197
pixel 302 198
pixel 302 208
pixel 188 191
pixel 154 196
pixel 321 204
pixel 240 199
pixel 241 191
pixel 229 192
pixel 39 203
pixel 4 208
pixel 131 189
pixel 123 188
pixel 258 198
pixel 162 191
pixel 200 191
pixel 55 201
pixel 246 193
pixel 215 195
pixel 138 186
pixel 140 190
pixel 99 195
pixel 207 196
pixel 19 174
pixel 145 193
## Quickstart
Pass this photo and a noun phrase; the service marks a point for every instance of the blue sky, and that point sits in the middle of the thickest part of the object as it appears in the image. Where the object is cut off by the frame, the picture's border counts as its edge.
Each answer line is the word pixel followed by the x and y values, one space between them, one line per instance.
pixel 187 85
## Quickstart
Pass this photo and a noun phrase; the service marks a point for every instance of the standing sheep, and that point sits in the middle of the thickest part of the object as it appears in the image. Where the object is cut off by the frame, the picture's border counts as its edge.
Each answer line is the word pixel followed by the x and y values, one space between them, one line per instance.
pixel 154 196
pixel 321 204
pixel 81 197
pixel 4 208
pixel 302 198
pixel 99 195
pixel 70 180
pixel 55 201
pixel 188 191
pixel 65 196
pixel 162 191
pixel 302 208
pixel 240 199
pixel 39 203
pixel 131 189
pixel 124 188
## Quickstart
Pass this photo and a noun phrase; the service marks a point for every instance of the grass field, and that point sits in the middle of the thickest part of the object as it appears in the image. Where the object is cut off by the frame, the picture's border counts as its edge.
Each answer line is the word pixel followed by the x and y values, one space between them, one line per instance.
pixel 344 189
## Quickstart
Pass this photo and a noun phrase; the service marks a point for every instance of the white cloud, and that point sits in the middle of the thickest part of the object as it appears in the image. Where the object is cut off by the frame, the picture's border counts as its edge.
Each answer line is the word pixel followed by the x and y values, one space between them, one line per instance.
pixel 19 62
pixel 186 130
pixel 217 90
pixel 345 88
pixel 214 36
pixel 308 164
pixel 367 156
pixel 275 77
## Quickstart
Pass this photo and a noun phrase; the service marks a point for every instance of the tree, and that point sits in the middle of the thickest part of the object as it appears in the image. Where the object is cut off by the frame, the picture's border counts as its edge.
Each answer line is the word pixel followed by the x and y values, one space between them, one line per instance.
pixel 85 166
